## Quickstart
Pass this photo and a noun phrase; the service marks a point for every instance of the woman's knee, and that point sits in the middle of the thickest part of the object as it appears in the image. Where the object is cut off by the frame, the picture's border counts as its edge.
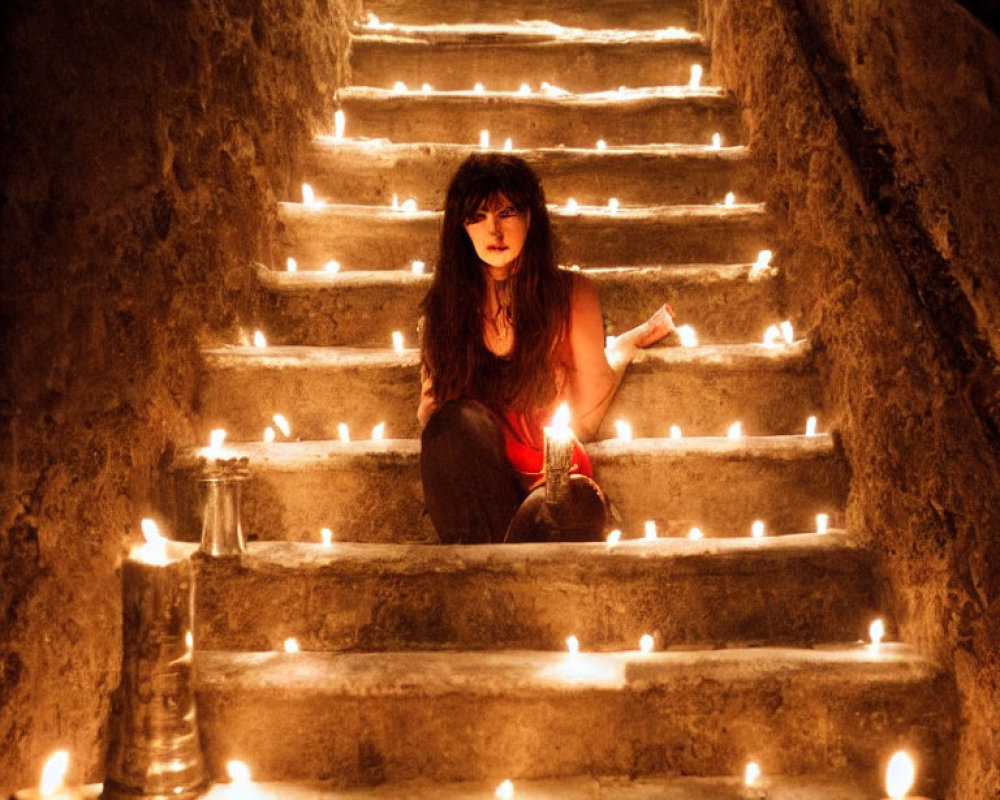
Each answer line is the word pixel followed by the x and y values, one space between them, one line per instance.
pixel 461 419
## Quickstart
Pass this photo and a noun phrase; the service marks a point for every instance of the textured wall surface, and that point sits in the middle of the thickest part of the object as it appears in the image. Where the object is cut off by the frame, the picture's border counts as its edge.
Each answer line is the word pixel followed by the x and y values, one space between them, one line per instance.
pixel 875 129
pixel 144 144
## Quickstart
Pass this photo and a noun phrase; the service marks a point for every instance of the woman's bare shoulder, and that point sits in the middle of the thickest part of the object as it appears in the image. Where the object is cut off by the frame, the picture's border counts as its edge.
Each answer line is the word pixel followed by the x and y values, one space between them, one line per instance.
pixel 583 295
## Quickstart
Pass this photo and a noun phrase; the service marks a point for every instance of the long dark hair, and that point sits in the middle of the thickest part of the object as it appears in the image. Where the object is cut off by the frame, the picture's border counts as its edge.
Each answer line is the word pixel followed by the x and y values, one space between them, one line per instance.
pixel 452 348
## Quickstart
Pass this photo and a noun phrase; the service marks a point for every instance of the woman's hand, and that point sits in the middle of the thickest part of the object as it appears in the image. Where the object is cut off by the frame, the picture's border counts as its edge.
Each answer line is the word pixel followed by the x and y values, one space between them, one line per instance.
pixel 657 326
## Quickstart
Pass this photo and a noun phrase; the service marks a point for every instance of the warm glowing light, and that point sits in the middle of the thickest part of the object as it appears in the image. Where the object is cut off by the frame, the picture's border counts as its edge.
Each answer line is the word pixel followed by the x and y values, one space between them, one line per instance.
pixel 397 341
pixel 54 773
pixel 735 430
pixel 696 73
pixel 150 531
pixel 613 205
pixel 339 124
pixel 291 264
pixel 378 432
pixel 525 89
pixel 650 529
pixel 269 434
pixel 730 199
pixel 238 771
pixel 308 195
pixel 484 139
pixel 505 791
pixel 291 645
pixel 560 420
pixel 326 536
pixel 572 206
pixel 552 91
pixel 508 145
pixel 615 536
pixel 373 20
pixel 623 430
pixel 695 534
pixel 716 141
pixel 409 206
pixel 771 336
pixel 899 776
pixel 675 432
pixel 426 88
pixel 751 777
pixel 259 339
pixel 216 439
pixel 761 265
pixel 399 86
pixel 757 529
pixel 687 336
pixel 343 432
pixel 282 423
pixel 479 88
pixel 418 267
pixel 822 521
pixel 189 640
pixel 876 632
pixel 573 645
pixel 646 643
pixel 601 144
pixel 811 426
pixel 787 333
pixel 331 266
pixel 395 202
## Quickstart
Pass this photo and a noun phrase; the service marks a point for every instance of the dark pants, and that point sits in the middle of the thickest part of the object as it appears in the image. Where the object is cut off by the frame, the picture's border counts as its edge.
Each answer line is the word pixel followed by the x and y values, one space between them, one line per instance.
pixel 470 489
pixel 475 496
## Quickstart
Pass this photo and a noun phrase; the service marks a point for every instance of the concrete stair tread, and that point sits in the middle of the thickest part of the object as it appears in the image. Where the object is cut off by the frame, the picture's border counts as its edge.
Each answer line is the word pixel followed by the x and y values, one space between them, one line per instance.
pixel 620 98
pixel 386 149
pixel 486 33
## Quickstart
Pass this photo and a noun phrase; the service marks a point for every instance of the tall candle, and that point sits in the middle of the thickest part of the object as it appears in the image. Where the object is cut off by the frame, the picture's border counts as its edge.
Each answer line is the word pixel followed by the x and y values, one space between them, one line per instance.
pixel 558 452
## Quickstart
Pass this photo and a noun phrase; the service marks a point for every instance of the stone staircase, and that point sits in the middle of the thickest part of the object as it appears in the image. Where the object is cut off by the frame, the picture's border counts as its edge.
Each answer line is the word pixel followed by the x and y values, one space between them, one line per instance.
pixel 440 671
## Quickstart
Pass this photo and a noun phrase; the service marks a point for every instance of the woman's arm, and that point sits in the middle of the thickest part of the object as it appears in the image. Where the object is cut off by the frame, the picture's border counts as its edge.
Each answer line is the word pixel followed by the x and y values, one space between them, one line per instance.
pixel 427 400
pixel 593 381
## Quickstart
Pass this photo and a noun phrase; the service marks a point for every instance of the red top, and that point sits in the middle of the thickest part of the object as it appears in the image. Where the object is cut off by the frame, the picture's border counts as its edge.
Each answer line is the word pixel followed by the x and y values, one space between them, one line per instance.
pixel 524 441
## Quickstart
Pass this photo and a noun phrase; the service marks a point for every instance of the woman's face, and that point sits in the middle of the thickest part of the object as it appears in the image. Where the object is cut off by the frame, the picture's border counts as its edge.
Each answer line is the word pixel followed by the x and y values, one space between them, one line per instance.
pixel 498 230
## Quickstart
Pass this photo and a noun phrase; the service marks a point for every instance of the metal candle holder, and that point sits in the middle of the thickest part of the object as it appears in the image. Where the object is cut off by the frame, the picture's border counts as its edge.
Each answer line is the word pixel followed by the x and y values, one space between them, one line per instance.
pixel 222 531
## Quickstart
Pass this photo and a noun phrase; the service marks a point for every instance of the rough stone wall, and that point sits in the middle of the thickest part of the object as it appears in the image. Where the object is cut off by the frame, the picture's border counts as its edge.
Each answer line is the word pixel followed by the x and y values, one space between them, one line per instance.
pixel 875 129
pixel 144 145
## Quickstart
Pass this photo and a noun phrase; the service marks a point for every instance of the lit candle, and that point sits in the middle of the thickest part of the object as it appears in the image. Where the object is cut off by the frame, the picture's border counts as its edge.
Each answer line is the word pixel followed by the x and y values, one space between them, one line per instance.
pixel 339 124
pixel 761 265
pixel 771 336
pixel 308 195
pixel 282 424
pixel 268 434
pixel 54 773
pixel 508 145
pixel 646 643
pixel 291 264
pixel 326 536
pixel 650 529
pixel 675 432
pixel 735 431
pixel 259 340
pixel 397 341
pixel 811 426
pixel 572 206
pixel 876 632
pixel 409 206
pixel 623 430
pixel 716 141
pixel 601 144
pixel 730 199
pixel 613 205
pixel 525 89
pixel 478 88
pixel 373 20
pixel 418 267
pixel 751 775
pixel 331 266
pixel 505 791
pixel 696 73
pixel 787 333
pixel 216 442
pixel 757 529
pixel 822 521
pixel 238 771
pixel 687 336
pixel 395 202
pixel 614 537
pixel 343 432
pixel 484 139
pixel 573 645
pixel 426 88
pixel 291 645
pixel 221 478
pixel 399 86
pixel 899 775
pixel 695 534
pixel 378 431
pixel 154 748
pixel 558 454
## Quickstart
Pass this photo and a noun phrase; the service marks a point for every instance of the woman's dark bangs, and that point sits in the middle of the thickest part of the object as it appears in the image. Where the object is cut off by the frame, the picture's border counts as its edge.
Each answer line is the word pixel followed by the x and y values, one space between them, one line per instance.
pixel 490 184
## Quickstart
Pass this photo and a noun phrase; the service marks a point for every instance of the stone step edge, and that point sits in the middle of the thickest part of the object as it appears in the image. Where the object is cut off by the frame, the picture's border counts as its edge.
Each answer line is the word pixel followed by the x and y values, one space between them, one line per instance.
pixel 613 98
pixel 511 672
pixel 524 32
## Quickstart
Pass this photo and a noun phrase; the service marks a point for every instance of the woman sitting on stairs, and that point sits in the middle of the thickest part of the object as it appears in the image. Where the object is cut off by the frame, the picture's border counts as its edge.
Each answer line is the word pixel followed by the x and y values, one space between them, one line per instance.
pixel 507 336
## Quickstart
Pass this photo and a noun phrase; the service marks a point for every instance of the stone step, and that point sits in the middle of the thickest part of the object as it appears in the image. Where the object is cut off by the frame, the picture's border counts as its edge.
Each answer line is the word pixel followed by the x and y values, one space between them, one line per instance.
pixel 370 491
pixel 378 237
pixel 778 590
pixel 702 389
pixel 364 719
pixel 363 308
pixel 371 172
pixel 629 14
pixel 502 57
pixel 635 116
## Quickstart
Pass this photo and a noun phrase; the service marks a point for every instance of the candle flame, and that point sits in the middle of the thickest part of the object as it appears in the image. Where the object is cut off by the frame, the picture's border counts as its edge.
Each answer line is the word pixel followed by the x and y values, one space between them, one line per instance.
pixel 822 521
pixel 378 431
pixel 696 72
pixel 695 534
pixel 395 202
pixel 525 89
pixel 624 430
pixel 331 266
pixel 397 341
pixel 291 264
pixel 259 339
pixel 154 551
pixel 899 776
pixel 508 145
pixel 399 86
pixel 614 537
pixel 730 199
pixel 757 529
pixel 751 776
pixel 339 124
pixel 282 423
pixel 763 259
pixel 150 531
pixel 601 144
pixel 54 773
pixel 478 88
pixel 268 434
pixel 426 88
pixel 418 267
pixel 560 420
pixel 505 791
pixel 484 139
pixel 687 336
pixel 238 771
pixel 343 432
pixel 189 640
pixel 373 20
pixel 876 631
pixel 291 645
pixel 735 430
pixel 787 333
pixel 613 205
pixel 216 439
pixel 308 195
pixel 716 141
pixel 650 529
pixel 409 206
pixel 771 336
pixel 675 432
pixel 572 206
pixel 573 645
pixel 646 643
pixel 326 536
pixel 811 426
